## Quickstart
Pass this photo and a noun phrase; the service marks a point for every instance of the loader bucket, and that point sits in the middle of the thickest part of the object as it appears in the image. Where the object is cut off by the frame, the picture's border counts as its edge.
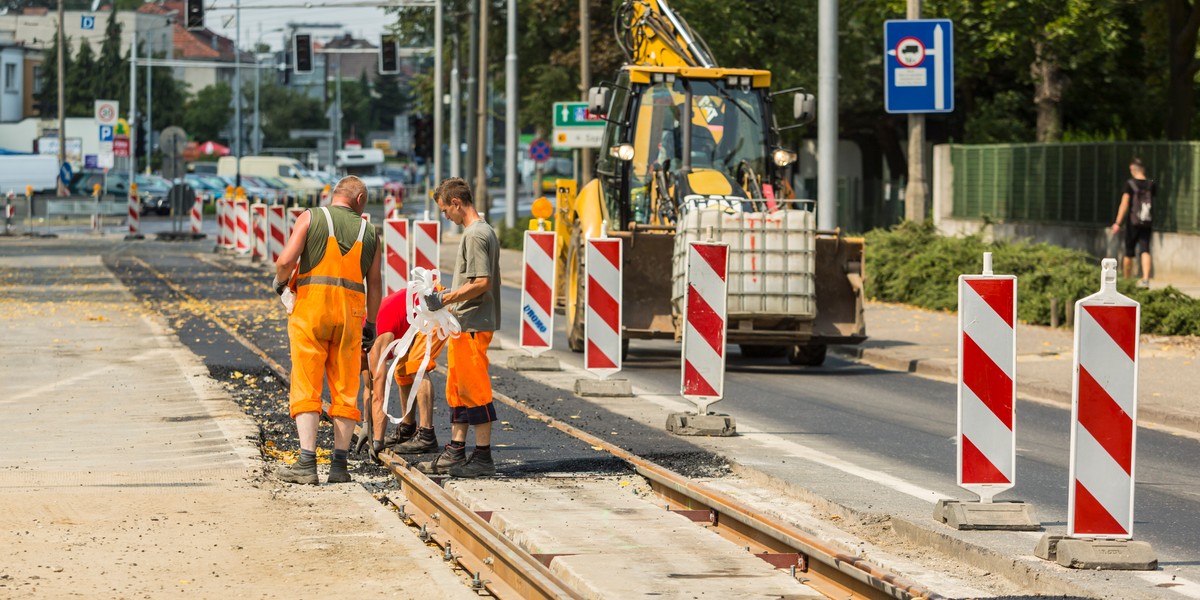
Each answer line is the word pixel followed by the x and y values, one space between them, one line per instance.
pixel 839 284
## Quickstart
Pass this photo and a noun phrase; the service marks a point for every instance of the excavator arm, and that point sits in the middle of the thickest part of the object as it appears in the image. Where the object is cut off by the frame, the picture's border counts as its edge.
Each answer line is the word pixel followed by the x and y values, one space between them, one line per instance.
pixel 651 34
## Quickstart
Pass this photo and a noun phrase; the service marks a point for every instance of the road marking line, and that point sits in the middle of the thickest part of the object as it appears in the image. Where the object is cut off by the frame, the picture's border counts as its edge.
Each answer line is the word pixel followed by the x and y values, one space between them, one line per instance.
pixel 1176 584
pixel 76 379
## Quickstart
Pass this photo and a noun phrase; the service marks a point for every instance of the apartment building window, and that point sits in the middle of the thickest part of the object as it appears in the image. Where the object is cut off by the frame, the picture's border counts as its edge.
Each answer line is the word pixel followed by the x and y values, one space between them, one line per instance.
pixel 37 79
pixel 10 78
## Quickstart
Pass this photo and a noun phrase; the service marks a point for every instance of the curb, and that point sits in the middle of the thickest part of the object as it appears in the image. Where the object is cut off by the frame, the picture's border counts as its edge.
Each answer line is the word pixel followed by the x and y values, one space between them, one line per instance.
pixel 1035 392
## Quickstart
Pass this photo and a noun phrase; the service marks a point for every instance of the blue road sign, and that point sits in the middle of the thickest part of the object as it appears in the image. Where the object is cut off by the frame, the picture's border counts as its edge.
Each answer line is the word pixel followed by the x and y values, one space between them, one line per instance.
pixel 539 151
pixel 106 133
pixel 918 66
pixel 91 161
pixel 87 22
pixel 64 173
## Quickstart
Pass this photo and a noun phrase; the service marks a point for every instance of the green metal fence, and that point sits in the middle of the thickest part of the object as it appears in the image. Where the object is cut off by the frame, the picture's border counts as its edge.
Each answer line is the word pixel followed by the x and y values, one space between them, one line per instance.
pixel 1074 184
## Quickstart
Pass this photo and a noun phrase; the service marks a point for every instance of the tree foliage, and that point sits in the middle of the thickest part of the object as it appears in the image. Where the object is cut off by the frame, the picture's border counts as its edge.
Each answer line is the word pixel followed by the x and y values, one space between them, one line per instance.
pixel 208 113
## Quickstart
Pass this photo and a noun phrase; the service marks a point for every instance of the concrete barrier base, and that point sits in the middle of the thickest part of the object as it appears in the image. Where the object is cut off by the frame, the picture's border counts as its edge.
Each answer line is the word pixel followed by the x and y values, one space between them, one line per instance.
pixel 135 236
pixel 999 516
pixel 1093 554
pixel 179 236
pixel 533 363
pixel 602 388
pixel 711 425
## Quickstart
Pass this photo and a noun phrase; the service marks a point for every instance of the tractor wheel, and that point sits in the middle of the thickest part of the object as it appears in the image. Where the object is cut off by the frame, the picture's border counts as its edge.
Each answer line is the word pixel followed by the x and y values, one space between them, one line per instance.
pixel 810 355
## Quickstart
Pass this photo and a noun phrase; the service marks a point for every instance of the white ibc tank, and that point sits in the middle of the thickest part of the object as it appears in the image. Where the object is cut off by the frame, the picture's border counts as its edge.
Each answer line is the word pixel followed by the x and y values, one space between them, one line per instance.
pixel 771 259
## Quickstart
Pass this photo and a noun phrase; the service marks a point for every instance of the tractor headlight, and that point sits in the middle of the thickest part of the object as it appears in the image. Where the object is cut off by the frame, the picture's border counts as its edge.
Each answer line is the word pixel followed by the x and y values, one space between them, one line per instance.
pixel 783 158
pixel 623 152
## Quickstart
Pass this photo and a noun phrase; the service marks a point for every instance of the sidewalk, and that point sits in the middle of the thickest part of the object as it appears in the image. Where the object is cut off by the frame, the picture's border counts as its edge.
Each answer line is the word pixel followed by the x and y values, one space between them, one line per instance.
pixel 125 471
pixel 925 342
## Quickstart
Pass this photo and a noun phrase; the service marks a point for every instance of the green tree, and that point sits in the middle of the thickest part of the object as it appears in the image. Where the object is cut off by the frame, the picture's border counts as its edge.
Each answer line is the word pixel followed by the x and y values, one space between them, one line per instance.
pixel 1183 19
pixel 209 112
pixel 114 82
pixel 81 85
pixel 47 99
pixel 285 109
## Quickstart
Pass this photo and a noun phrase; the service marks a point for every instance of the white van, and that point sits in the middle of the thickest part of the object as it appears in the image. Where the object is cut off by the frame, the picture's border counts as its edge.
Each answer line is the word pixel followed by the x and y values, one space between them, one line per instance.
pixel 289 170
pixel 20 170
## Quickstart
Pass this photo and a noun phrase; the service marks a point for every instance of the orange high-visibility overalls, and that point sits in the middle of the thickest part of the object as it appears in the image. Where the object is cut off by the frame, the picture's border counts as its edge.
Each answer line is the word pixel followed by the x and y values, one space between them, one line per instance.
pixel 325 329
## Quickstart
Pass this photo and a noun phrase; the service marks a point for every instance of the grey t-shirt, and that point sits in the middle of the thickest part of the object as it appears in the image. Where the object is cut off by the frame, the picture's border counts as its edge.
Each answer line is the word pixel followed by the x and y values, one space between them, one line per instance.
pixel 478 256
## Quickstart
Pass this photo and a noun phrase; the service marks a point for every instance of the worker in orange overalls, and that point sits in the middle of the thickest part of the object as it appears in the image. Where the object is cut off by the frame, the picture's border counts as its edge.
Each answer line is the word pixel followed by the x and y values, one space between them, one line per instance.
pixel 475 294
pixel 332 251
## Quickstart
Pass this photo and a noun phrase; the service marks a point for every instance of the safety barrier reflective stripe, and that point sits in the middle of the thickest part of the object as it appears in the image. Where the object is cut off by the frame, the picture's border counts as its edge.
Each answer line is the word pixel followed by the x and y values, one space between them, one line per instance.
pixel 135 214
pixel 987 381
pixel 537 293
pixel 258 224
pixel 197 214
pixel 395 247
pixel 602 320
pixel 241 230
pixel 426 251
pixel 293 214
pixel 277 226
pixel 1104 412
pixel 703 377
pixel 389 207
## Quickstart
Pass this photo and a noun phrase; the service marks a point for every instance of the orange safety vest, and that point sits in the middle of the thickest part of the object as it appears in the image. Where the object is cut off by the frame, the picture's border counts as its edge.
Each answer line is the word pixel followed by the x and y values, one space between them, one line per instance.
pixel 326 329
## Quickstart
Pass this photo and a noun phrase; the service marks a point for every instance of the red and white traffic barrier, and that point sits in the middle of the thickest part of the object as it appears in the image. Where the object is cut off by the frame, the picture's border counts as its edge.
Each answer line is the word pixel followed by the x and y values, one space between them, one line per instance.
pixel 258 225
pixel 277 231
pixel 221 223
pixel 395 253
pixel 135 215
pixel 987 381
pixel 1104 412
pixel 602 319
pixel 537 292
pixel 293 214
pixel 389 207
pixel 366 217
pixel 427 236
pixel 703 379
pixel 241 226
pixel 197 215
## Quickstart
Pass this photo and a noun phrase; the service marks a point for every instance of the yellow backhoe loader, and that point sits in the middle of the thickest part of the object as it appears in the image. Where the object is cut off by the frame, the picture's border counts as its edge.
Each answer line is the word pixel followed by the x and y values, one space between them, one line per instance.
pixel 691 151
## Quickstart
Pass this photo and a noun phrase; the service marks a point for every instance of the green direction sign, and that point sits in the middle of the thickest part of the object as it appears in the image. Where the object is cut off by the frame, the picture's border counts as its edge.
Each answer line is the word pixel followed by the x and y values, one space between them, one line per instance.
pixel 575 114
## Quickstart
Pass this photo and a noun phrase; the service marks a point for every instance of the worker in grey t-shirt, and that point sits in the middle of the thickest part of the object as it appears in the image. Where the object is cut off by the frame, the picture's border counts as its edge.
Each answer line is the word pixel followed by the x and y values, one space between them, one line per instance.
pixel 475 294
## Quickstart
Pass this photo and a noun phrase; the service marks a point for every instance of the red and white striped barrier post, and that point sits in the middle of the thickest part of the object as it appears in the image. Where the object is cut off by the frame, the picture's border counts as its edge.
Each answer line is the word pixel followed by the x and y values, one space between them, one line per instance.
pixel 395 248
pixel 258 225
pixel 427 237
pixel 277 231
pixel 197 214
pixel 366 217
pixel 537 293
pixel 293 213
pixel 602 317
pixel 241 227
pixel 1103 436
pixel 228 225
pixel 135 215
pixel 987 392
pixel 389 206
pixel 703 377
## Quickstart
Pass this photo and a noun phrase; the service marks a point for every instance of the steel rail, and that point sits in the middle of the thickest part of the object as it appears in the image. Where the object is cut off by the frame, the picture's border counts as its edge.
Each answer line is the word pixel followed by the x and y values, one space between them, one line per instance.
pixel 842 570
pixel 499 565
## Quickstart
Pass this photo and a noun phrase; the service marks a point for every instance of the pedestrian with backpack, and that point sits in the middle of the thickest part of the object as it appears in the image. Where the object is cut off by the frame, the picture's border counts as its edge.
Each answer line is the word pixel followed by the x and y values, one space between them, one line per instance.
pixel 1137 201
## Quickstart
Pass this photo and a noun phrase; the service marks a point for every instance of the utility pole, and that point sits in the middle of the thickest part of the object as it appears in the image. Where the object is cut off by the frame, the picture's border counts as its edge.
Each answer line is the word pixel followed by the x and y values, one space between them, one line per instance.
pixel 133 141
pixel 481 150
pixel 472 82
pixel 237 89
pixel 585 81
pixel 455 111
pixel 916 190
pixel 62 99
pixel 337 111
pixel 827 114
pixel 510 119
pixel 257 134
pixel 439 108
pixel 149 105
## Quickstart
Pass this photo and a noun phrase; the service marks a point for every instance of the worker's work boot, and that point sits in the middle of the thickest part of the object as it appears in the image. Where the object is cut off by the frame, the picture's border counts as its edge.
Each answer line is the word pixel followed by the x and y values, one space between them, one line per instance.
pixel 301 471
pixel 339 473
pixel 480 464
pixel 403 433
pixel 424 441
pixel 450 457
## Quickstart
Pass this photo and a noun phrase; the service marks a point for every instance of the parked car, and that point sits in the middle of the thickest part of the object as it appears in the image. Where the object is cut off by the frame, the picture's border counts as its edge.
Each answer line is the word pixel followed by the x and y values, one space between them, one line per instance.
pixel 209 185
pixel 290 170
pixel 153 192
pixel 554 169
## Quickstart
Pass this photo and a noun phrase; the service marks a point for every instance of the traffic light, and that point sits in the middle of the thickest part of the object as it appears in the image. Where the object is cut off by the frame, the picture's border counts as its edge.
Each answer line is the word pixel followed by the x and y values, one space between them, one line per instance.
pixel 389 56
pixel 195 14
pixel 302 51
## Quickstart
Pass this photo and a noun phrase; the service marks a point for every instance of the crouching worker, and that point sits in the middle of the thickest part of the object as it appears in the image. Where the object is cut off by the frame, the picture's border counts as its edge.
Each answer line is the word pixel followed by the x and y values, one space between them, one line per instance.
pixel 332 250
pixel 414 434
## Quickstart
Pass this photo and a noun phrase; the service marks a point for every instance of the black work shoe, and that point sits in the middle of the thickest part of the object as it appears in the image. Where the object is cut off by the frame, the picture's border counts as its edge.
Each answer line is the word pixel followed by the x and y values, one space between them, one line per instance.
pixel 377 446
pixel 338 473
pixel 298 472
pixel 399 436
pixel 449 458
pixel 479 465
pixel 419 444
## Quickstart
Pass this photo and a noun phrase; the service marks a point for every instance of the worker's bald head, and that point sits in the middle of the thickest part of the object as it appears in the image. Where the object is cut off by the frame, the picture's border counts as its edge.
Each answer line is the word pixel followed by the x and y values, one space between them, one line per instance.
pixel 352 191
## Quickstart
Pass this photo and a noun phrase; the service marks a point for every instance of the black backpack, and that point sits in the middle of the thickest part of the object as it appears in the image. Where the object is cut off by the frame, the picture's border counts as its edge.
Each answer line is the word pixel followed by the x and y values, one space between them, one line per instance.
pixel 1141 205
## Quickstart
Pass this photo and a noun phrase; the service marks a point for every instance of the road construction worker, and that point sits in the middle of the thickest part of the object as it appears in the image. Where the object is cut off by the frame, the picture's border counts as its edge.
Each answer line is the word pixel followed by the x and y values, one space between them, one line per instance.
pixel 414 434
pixel 332 251
pixel 474 296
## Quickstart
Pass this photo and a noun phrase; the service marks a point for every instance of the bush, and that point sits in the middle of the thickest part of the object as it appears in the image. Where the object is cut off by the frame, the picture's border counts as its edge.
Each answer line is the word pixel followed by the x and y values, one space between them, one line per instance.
pixel 512 238
pixel 914 264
